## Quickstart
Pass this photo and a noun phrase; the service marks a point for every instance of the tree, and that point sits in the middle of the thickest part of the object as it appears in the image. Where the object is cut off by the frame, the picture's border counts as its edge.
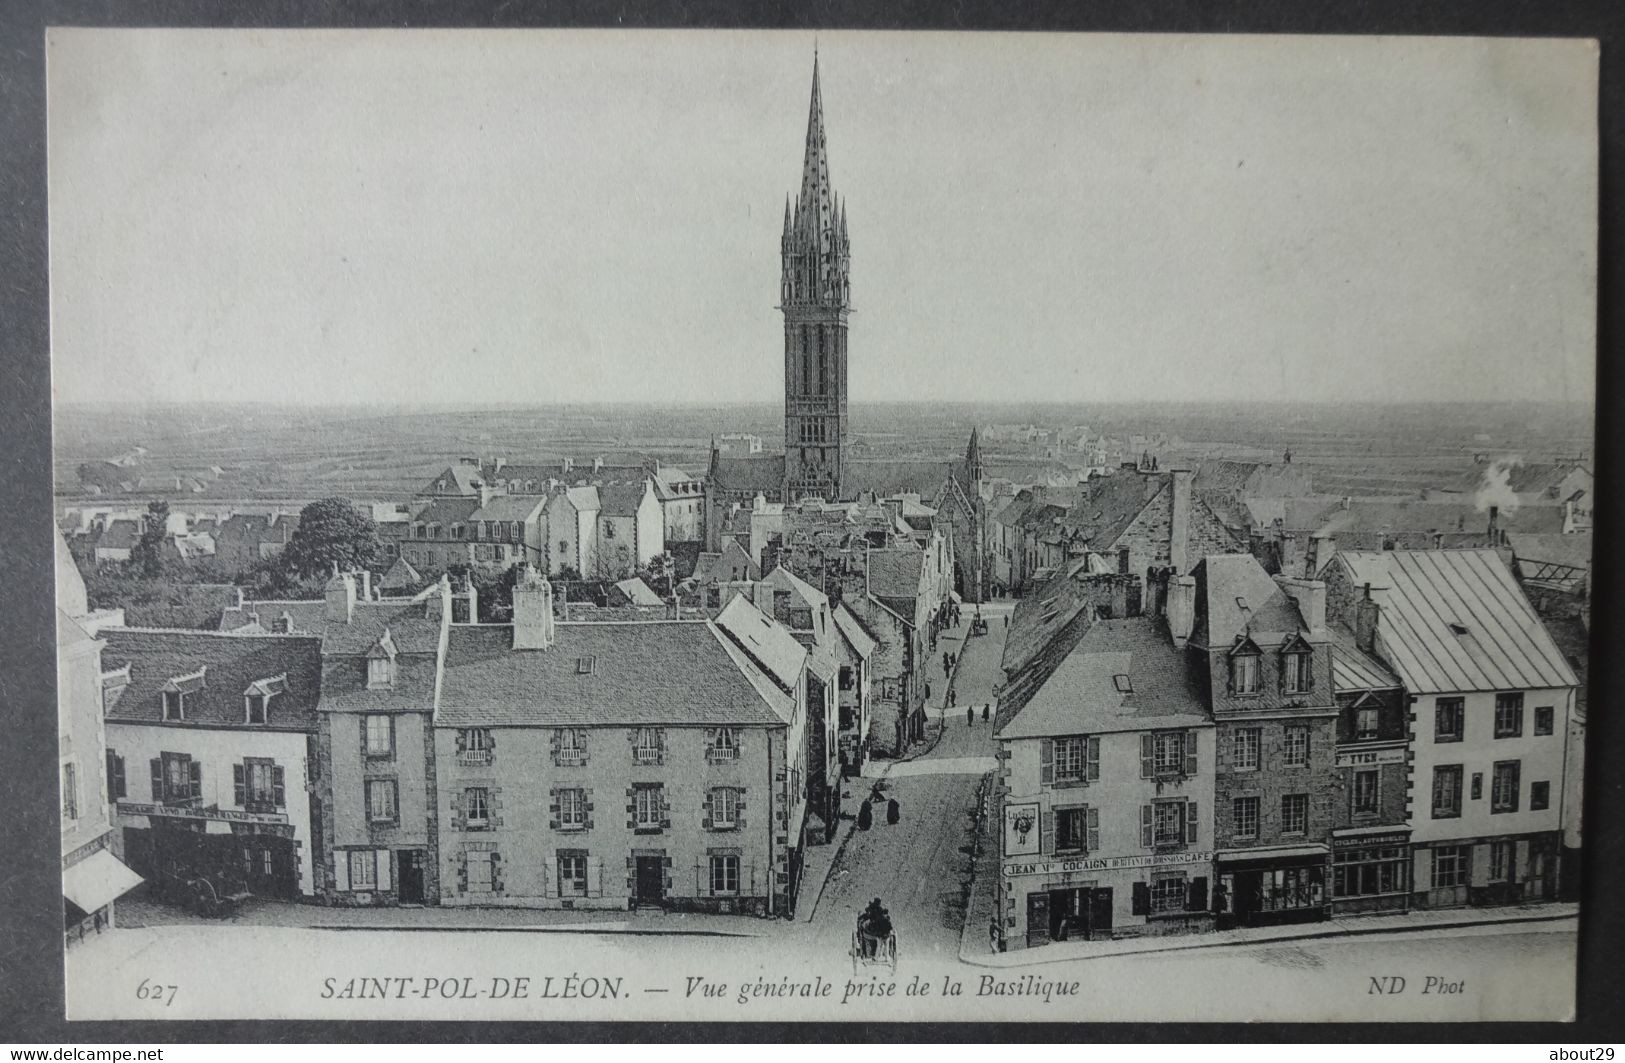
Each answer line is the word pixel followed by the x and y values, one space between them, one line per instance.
pixel 332 531
pixel 661 573
pixel 147 555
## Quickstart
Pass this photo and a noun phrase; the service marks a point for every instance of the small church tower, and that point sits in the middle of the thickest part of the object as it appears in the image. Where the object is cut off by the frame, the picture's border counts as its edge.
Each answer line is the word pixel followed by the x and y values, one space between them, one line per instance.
pixel 815 298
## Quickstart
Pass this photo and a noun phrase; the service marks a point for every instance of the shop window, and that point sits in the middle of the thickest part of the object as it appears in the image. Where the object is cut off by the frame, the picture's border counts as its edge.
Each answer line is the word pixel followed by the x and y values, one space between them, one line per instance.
pixel 1367 785
pixel 1450 865
pixel 1505 786
pixel 1295 746
pixel 1370 872
pixel 1168 893
pixel 1509 715
pixel 1540 796
pixel 1447 791
pixel 1244 817
pixel 1543 719
pixel 1246 744
pixel 1294 813
pixel 1449 719
pixel 1288 888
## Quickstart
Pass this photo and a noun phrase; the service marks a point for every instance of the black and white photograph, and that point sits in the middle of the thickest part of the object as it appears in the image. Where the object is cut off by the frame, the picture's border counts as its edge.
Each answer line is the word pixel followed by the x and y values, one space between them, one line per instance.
pixel 850 526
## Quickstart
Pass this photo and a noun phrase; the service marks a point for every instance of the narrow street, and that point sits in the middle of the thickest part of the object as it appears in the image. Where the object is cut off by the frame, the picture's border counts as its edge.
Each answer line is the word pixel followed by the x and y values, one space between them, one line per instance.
pixel 920 868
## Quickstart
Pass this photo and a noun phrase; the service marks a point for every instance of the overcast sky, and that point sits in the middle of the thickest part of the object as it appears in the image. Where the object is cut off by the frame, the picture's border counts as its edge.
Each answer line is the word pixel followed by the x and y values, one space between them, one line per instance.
pixel 459 216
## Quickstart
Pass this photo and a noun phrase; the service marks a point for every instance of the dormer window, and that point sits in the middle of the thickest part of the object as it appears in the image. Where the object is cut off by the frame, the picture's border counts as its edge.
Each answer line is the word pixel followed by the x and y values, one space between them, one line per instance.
pixel 177 693
pixel 282 625
pixel 457 531
pixel 257 698
pixel 586 665
pixel 381 662
pixel 1297 666
pixel 1244 669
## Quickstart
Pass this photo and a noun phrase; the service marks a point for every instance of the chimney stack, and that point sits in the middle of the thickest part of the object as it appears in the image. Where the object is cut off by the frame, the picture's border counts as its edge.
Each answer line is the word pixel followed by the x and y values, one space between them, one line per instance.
pixel 1179 521
pixel 1367 615
pixel 1495 523
pixel 1322 548
pixel 532 610
pixel 1310 594
pixel 365 589
pixel 340 594
pixel 1181 607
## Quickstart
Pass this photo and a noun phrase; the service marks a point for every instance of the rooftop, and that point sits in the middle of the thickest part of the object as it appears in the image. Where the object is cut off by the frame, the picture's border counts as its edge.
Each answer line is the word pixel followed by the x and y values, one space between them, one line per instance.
pixel 231 664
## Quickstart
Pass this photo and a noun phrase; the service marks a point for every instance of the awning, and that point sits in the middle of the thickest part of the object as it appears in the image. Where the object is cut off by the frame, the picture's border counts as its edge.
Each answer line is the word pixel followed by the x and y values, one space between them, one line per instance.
pixel 97 881
pixel 1360 832
pixel 1275 852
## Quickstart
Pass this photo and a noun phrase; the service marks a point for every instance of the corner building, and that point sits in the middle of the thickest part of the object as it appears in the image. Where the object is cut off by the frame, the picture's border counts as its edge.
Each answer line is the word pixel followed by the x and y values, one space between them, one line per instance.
pixel 617 765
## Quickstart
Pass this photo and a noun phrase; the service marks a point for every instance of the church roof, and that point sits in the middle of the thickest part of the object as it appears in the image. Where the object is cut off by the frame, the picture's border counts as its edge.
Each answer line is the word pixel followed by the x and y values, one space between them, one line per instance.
pixel 759 472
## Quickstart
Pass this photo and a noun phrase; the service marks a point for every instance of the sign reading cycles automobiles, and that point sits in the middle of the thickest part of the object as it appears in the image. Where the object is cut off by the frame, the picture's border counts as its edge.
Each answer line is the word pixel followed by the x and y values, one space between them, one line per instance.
pixel 1104 863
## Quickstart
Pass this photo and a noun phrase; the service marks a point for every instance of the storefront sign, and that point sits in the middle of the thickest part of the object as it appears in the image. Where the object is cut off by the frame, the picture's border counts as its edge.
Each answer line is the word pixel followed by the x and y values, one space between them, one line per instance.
pixel 1360 841
pixel 224 815
pixel 1021 830
pixel 1361 758
pixel 1104 863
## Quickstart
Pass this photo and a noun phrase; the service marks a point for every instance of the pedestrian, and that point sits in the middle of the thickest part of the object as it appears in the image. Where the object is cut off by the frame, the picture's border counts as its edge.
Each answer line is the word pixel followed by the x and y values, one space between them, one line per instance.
pixel 984 712
pixel 970 716
pixel 1007 620
pixel 865 817
pixel 927 690
pixel 893 813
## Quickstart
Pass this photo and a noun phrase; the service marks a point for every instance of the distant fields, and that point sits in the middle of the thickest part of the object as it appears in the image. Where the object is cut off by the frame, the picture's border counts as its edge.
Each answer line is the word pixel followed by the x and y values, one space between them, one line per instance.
pixel 381 453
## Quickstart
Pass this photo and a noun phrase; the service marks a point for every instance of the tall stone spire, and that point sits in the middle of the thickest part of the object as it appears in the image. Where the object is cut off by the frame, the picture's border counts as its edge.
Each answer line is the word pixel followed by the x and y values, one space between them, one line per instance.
pixel 815 298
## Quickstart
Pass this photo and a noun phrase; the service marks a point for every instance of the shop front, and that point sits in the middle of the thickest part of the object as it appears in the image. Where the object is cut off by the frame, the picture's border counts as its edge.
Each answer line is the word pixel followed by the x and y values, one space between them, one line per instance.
pixel 172 846
pixel 1371 870
pixel 1089 898
pixel 1272 887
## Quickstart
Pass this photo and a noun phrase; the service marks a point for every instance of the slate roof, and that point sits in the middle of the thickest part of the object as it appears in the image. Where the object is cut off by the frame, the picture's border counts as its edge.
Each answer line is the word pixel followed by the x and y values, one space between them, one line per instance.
pixel 1234 597
pixel 857 636
pixel 922 478
pixel 446 512
pixel 120 535
pixel 509 507
pixel 1111 505
pixel 1455 620
pixel 1224 475
pixel 233 663
pixel 462 479
pixel 1040 616
pixel 757 472
pixel 1074 688
pixel 406 618
pixel 1355 669
pixel 672 672
pixel 621 499
pixel 401 574
pixel 768 643
pixel 638 592
pixel 584 499
pixel 784 579
pixel 894 572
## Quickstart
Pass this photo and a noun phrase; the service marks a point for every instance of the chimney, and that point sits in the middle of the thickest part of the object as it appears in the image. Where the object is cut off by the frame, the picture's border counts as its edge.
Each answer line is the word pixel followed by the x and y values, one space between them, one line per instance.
pixel 1181 607
pixel 567 464
pixel 1122 559
pixel 1310 594
pixel 1367 614
pixel 340 594
pixel 241 598
pixel 1179 521
pixel 597 465
pixel 365 589
pixel 1495 525
pixel 465 603
pixel 532 610
pixel 1322 548
pixel 487 492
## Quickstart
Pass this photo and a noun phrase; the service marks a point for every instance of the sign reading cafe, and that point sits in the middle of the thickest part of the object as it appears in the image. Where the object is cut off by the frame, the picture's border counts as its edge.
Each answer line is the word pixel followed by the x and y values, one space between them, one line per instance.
pixel 1104 863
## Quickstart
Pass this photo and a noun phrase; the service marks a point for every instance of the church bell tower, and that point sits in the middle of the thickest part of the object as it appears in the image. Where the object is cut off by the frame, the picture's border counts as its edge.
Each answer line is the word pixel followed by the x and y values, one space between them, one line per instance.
pixel 814 295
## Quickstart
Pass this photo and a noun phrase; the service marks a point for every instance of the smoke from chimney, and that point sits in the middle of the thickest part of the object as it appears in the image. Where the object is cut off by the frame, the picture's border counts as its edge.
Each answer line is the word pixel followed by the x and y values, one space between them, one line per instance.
pixel 1495 492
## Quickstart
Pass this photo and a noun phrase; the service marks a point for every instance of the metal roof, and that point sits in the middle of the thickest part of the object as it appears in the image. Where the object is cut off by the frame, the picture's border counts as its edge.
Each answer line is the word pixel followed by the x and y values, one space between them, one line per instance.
pixel 1353 668
pixel 1455 620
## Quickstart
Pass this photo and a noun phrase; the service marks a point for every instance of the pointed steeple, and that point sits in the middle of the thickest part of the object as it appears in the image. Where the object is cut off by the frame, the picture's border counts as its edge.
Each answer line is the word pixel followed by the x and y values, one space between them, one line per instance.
pixel 816 203
pixel 973 457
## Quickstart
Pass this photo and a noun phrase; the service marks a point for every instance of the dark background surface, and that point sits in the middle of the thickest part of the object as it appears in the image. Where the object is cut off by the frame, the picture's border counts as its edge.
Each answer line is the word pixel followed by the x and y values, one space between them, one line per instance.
pixel 30 900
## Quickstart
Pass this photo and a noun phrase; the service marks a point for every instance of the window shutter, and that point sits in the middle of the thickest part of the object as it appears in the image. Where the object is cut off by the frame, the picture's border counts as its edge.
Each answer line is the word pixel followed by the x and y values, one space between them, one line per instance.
pixel 1046 761
pixel 1197 901
pixel 386 868
pixel 550 877
pixel 660 747
pixel 1142 898
pixel 705 811
pixel 739 810
pixel 279 789
pixel 1092 774
pixel 341 871
pixel 1092 821
pixel 1046 832
pixel 1145 826
pixel 1230 677
pixel 157 779
pixel 239 789
pixel 1190 823
pixel 1517 721
pixel 595 877
pixel 1309 672
pixel 1147 756
pixel 196 767
pixel 112 777
pixel 1188 741
pixel 462 741
pixel 665 810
